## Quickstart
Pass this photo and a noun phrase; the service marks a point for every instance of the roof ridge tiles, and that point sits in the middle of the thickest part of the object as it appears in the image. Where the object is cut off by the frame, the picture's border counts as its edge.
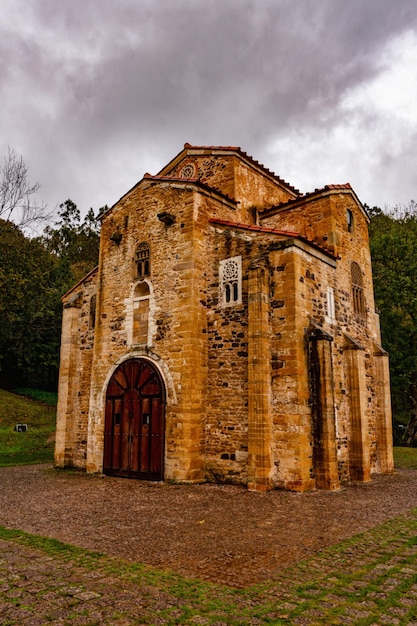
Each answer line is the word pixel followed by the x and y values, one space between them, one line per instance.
pixel 276 231
pixel 308 195
pixel 188 146
pixel 194 181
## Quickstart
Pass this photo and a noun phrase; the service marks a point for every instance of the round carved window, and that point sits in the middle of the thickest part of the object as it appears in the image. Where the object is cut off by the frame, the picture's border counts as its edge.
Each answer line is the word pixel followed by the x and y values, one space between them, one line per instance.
pixel 188 171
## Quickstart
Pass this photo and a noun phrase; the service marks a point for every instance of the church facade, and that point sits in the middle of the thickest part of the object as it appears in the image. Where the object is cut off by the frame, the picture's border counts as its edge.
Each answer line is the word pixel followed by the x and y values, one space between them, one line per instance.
pixel 228 334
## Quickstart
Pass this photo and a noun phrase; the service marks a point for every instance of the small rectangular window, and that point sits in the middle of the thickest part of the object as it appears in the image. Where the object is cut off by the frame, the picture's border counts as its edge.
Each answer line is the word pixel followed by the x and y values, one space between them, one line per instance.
pixel 349 220
pixel 331 313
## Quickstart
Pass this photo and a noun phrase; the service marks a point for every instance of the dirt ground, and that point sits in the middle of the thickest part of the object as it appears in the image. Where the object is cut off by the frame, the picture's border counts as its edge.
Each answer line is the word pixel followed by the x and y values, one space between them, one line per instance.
pixel 220 533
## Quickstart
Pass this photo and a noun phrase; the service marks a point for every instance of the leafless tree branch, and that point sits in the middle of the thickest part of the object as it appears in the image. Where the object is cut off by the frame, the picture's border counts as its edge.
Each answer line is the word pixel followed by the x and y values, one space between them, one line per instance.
pixel 16 194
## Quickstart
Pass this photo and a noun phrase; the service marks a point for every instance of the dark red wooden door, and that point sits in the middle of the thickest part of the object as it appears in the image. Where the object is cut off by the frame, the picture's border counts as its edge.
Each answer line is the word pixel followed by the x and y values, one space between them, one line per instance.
pixel 134 422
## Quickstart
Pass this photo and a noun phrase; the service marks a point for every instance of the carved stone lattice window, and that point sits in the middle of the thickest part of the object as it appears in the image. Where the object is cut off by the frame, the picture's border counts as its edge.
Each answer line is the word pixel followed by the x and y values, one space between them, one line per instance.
pixel 231 281
pixel 188 171
pixel 143 260
pixel 357 290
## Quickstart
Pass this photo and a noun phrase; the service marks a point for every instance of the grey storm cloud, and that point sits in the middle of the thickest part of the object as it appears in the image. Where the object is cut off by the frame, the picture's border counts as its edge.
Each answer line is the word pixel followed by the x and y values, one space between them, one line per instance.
pixel 95 93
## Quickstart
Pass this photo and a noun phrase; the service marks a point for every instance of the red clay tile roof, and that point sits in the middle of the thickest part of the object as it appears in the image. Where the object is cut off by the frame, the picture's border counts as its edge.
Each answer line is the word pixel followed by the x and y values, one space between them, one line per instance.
pixel 310 196
pixel 245 155
pixel 261 229
pixel 273 231
pixel 187 181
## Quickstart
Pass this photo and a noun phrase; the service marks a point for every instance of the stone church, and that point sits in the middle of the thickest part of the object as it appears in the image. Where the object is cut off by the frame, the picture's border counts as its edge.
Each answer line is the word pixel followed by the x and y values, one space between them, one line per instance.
pixel 228 334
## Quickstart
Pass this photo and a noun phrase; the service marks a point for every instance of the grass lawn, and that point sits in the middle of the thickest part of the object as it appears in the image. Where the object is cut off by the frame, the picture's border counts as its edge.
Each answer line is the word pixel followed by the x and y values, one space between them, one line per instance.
pixel 405 457
pixel 34 446
pixel 37 444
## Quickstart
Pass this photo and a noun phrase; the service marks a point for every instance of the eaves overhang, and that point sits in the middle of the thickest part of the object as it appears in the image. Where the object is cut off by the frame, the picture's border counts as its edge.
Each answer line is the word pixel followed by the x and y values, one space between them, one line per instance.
pixel 327 190
pixel 289 236
pixel 190 150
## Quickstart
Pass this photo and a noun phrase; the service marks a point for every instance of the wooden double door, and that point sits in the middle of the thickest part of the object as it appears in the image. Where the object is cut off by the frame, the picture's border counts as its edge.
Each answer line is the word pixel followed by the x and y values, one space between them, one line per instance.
pixel 135 422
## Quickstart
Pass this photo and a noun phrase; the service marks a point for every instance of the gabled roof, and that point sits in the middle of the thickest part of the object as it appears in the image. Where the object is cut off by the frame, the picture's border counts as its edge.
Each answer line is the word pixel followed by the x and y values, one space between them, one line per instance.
pixel 313 195
pixel 226 150
pixel 187 182
pixel 80 282
pixel 274 231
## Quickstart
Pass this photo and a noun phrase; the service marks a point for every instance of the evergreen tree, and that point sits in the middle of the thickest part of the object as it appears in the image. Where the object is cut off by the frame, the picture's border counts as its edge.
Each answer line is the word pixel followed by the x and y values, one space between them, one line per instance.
pixel 394 262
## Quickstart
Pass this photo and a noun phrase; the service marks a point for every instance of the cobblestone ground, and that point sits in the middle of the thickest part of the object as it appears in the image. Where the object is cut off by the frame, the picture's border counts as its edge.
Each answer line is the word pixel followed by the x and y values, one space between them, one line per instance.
pixel 368 578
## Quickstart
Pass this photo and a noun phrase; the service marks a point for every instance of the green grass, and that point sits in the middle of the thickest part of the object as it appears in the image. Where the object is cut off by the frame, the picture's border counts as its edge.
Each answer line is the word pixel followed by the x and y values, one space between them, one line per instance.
pixel 34 446
pixel 405 457
pixel 48 397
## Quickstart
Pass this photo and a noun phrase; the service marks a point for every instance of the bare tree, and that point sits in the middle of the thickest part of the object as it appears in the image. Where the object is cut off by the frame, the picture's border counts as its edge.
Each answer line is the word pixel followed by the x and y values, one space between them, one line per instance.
pixel 17 203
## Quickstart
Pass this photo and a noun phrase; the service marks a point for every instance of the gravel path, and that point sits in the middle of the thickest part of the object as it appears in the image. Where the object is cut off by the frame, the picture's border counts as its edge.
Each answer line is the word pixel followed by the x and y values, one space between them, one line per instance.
pixel 220 533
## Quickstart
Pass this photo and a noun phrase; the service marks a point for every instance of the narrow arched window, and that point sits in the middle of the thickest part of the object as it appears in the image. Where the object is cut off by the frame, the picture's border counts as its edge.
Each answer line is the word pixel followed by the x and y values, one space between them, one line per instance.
pixel 349 220
pixel 141 313
pixel 143 260
pixel 92 316
pixel 357 290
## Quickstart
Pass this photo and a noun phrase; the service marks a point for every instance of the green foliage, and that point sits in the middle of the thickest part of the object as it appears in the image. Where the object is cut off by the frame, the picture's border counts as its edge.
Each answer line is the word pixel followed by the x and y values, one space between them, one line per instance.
pixel 74 242
pixel 34 274
pixel 393 239
pixel 48 397
pixel 34 446
pixel 29 308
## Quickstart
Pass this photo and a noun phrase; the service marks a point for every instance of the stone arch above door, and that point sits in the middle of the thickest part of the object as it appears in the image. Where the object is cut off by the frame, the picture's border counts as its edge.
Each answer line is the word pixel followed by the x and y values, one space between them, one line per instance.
pixel 134 431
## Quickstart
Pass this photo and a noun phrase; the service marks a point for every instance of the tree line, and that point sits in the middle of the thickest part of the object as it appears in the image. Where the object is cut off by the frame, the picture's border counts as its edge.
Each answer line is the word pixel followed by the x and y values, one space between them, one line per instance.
pixel 35 271
pixel 393 237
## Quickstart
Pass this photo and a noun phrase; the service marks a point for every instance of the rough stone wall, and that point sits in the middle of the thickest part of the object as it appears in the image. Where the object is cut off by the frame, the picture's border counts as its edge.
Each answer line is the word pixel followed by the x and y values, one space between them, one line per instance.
pixel 239 385
pixel 75 374
pixel 328 218
pixel 177 314
pixel 257 191
pixel 294 304
pixel 236 179
pixel 226 444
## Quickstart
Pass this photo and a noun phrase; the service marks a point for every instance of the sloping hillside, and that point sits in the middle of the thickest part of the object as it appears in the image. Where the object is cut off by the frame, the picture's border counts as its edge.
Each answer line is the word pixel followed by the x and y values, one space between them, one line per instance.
pixel 36 445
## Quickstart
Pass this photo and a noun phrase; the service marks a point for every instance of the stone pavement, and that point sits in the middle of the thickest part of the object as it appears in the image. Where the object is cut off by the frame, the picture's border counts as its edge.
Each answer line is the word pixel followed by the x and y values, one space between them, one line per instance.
pixel 370 579
pixel 218 533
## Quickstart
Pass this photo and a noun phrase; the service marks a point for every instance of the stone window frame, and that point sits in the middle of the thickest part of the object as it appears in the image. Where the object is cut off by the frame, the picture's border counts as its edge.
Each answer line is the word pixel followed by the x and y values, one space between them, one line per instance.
pixel 357 290
pixel 349 220
pixel 230 275
pixel 331 311
pixel 142 260
pixel 189 170
pixel 145 286
pixel 92 312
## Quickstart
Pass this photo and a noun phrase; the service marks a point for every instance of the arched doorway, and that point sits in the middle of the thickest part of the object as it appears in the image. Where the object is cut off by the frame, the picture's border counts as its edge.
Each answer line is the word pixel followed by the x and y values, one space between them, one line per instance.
pixel 135 422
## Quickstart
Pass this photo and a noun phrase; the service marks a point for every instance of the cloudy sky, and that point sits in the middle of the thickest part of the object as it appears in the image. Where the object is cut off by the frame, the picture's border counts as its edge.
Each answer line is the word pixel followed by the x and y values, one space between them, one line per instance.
pixel 94 93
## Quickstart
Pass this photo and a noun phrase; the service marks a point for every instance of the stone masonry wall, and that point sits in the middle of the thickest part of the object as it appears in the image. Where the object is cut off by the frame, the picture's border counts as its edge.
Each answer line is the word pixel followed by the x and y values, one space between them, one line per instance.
pixel 350 246
pixel 75 374
pixel 238 180
pixel 177 314
pixel 200 344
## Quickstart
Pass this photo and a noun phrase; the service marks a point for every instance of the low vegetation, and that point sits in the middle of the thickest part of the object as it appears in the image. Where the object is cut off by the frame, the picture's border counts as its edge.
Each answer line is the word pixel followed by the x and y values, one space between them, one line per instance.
pixel 37 409
pixel 36 444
